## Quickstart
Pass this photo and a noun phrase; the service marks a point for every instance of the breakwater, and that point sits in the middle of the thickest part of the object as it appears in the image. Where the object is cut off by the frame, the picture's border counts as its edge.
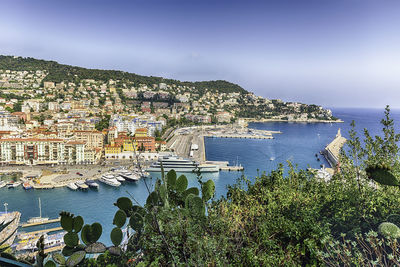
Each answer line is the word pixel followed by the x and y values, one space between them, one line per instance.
pixel 332 151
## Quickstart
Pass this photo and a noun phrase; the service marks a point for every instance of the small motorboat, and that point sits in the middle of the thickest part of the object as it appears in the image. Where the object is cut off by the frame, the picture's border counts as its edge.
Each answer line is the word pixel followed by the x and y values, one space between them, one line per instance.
pixel 2 184
pixel 92 184
pixel 72 186
pixel 13 184
pixel 27 186
pixel 82 185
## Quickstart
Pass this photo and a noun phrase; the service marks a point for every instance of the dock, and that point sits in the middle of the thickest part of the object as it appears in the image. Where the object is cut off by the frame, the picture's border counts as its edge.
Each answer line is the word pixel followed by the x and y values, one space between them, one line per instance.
pixel 45 231
pixel 240 136
pixel 332 151
pixel 41 223
pixel 231 168
pixel 224 166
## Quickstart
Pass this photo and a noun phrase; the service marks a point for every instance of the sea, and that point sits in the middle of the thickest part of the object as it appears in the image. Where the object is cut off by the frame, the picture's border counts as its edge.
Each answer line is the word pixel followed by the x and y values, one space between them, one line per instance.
pixel 298 143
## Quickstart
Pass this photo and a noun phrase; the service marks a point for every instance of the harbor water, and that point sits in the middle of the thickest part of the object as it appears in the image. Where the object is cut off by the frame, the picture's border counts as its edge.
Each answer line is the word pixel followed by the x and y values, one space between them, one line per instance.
pixel 299 142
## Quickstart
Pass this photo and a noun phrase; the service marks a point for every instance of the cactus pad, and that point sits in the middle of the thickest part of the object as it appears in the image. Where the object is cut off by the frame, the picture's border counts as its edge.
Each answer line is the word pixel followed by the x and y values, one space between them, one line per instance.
pixel 91 233
pixel 171 179
pixel 207 190
pixel 75 258
pixel 50 263
pixel 116 251
pixel 94 248
pixel 77 223
pixel 136 222
pixel 119 218
pixel 124 203
pixel 152 199
pixel 382 175
pixel 58 258
pixel 67 221
pixel 181 183
pixel 116 236
pixel 71 239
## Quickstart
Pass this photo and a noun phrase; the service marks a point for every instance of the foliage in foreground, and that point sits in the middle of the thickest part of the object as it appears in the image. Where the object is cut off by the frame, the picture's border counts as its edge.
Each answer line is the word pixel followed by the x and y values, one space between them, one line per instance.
pixel 276 220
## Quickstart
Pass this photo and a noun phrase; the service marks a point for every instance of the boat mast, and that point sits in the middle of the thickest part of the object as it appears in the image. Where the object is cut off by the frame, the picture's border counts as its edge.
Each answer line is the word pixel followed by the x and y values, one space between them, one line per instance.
pixel 40 209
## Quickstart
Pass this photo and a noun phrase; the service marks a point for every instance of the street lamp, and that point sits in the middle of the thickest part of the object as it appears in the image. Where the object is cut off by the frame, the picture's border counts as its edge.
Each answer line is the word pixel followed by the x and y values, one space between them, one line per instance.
pixel 5 206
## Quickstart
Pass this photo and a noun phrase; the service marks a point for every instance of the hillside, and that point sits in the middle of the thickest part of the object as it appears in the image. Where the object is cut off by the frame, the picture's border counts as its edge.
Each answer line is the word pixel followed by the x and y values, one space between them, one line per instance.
pixel 60 72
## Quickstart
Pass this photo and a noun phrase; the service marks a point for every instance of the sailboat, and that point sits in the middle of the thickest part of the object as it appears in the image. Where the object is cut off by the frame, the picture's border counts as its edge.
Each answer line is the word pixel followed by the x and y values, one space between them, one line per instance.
pixel 38 219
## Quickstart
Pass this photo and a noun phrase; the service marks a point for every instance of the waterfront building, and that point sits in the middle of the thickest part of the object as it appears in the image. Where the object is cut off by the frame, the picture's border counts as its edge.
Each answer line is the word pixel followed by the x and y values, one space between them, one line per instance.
pixel 92 138
pixel 39 151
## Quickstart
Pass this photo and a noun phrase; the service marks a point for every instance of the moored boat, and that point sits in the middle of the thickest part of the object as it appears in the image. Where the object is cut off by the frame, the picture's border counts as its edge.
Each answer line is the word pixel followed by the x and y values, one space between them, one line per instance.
pixel 13 184
pixel 92 184
pixel 27 186
pixel 2 184
pixel 81 185
pixel 120 178
pixel 39 219
pixel 72 186
pixel 180 165
pixel 109 180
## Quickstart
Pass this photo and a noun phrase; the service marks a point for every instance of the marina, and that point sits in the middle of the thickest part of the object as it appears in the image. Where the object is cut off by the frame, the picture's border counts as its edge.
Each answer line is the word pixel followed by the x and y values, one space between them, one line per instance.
pixel 189 142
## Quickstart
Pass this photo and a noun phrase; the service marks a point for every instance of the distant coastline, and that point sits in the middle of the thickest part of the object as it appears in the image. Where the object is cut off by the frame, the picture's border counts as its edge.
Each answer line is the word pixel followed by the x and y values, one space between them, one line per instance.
pixel 295 120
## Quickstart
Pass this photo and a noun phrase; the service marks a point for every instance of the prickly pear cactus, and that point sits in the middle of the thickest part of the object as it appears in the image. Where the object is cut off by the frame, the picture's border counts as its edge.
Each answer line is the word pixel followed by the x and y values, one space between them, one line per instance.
pixel 119 218
pixel 116 236
pixel 208 189
pixel 382 174
pixel 91 233
pixel 181 183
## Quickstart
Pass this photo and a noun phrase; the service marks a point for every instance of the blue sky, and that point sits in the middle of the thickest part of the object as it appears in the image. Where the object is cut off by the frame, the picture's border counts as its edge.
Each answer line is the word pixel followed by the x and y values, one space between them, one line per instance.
pixel 335 53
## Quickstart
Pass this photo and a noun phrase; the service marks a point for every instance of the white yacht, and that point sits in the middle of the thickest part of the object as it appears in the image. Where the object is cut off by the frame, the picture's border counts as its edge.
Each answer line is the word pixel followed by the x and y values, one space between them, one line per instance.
pixel 92 184
pixel 127 175
pixel 119 178
pixel 13 184
pixel 109 179
pixel 72 186
pixel 180 165
pixel 39 219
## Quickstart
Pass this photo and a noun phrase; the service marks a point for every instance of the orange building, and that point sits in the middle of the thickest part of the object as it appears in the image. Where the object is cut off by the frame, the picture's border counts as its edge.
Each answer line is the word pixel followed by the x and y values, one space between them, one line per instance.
pixel 146 143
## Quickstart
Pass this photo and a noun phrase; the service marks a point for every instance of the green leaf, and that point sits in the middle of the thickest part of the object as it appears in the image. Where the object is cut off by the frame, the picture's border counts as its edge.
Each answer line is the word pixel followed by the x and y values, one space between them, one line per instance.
pixel 152 199
pixel 116 236
pixel 119 218
pixel 95 248
pixel 382 176
pixel 78 223
pixel 124 203
pixel 171 179
pixel 50 263
pixel 181 183
pixel 91 233
pixel 207 190
pixel 75 258
pixel 67 221
pixel 136 222
pixel 71 239
pixel 58 258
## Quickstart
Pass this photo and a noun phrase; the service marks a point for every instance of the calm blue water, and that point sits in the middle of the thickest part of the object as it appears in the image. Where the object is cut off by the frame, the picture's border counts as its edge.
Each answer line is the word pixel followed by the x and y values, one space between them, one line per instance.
pixel 298 143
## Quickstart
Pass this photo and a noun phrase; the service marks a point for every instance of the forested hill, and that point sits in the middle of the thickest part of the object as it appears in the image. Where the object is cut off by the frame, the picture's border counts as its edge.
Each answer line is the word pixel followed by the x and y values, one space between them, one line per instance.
pixel 60 72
